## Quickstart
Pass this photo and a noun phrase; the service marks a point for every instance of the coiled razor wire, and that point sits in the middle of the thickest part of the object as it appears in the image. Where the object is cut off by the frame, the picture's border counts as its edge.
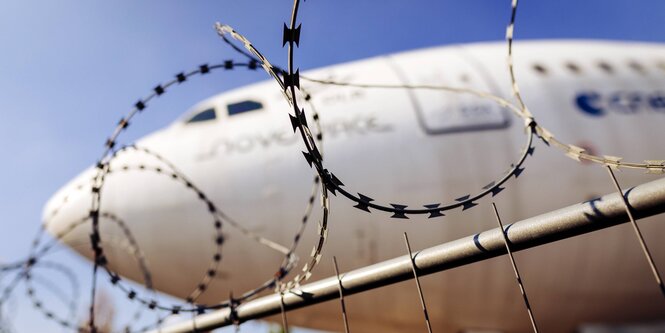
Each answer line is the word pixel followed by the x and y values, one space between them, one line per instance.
pixel 35 260
pixel 316 253
pixel 176 175
pixel 131 247
pixel 313 156
pixel 103 169
pixel 315 159
pixel 71 303
pixel 572 151
pixel 325 180
pixel 27 276
pixel 291 82
pixel 281 273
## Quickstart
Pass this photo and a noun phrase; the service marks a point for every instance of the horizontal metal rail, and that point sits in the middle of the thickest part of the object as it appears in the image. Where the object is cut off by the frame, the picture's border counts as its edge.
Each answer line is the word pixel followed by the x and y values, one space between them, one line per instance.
pixel 646 200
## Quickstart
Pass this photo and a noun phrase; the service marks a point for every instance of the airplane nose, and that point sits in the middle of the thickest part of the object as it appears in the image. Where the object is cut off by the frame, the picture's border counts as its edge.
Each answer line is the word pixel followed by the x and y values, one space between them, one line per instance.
pixel 151 220
pixel 65 213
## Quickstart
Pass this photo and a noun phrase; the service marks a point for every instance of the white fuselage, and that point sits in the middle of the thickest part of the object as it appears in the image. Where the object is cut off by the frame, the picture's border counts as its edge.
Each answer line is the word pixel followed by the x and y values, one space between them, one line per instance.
pixel 413 147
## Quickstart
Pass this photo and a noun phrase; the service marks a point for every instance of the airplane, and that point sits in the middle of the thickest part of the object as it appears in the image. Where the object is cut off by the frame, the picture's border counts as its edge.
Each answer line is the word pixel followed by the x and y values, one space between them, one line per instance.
pixel 413 146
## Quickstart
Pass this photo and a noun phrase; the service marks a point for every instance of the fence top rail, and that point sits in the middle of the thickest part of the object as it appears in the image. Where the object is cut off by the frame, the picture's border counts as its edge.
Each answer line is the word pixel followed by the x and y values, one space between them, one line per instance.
pixel 645 200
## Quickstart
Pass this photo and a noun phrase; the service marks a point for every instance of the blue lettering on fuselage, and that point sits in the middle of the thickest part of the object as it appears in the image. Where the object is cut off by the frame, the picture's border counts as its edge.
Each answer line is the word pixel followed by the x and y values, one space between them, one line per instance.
pixel 588 102
pixel 625 102
pixel 657 102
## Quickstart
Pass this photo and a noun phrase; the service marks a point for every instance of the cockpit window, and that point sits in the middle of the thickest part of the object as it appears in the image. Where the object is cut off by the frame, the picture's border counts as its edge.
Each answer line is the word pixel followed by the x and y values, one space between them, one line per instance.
pixel 205 115
pixel 244 106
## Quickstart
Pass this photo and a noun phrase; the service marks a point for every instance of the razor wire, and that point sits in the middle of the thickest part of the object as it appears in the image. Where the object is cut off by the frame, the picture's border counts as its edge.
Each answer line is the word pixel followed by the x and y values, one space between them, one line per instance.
pixel 131 247
pixel 37 261
pixel 325 181
pixel 290 82
pixel 315 159
pixel 105 170
pixel 315 256
pixel 655 166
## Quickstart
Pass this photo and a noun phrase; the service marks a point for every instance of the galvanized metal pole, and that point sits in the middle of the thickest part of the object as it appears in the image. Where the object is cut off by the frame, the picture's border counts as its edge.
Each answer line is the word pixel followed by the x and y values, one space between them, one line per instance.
pixel 646 200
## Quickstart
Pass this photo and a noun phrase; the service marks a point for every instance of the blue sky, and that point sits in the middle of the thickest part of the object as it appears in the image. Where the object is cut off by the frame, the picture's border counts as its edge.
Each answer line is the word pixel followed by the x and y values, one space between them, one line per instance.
pixel 70 69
